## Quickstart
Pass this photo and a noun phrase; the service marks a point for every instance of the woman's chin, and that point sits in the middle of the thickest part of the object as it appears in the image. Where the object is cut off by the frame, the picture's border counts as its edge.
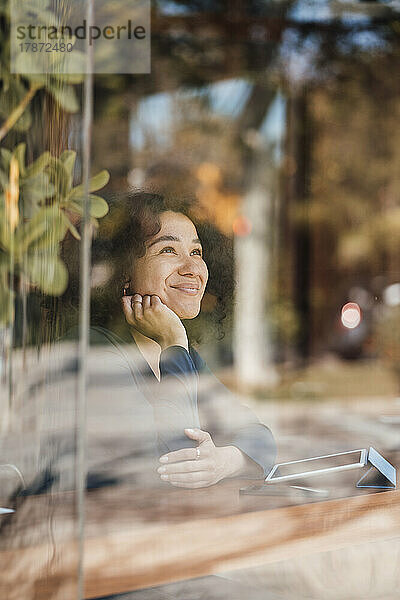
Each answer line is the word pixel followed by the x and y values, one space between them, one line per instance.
pixel 187 313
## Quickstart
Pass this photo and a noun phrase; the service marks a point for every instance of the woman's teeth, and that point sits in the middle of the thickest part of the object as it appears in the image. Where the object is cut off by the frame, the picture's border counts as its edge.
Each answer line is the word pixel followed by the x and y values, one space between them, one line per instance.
pixel 188 290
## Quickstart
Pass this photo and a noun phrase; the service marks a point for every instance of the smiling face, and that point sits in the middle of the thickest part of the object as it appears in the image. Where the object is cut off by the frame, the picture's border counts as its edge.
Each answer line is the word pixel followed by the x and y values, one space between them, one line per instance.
pixel 173 267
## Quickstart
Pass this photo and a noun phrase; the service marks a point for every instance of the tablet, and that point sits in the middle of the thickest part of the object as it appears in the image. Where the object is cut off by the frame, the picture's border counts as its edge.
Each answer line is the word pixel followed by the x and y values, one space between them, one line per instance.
pixel 295 469
pixel 5 511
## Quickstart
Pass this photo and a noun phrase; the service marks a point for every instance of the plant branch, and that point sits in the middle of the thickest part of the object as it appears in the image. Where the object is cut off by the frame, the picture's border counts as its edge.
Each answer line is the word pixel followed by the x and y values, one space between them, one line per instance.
pixel 17 112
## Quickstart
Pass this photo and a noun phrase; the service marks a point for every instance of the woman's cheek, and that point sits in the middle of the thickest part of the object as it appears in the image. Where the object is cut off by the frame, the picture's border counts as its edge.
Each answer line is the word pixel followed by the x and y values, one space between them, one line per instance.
pixel 164 295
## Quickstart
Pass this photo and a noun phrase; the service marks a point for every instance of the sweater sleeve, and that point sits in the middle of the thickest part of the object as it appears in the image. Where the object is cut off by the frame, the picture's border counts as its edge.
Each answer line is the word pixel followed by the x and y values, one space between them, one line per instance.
pixel 230 422
pixel 174 399
pixel 189 395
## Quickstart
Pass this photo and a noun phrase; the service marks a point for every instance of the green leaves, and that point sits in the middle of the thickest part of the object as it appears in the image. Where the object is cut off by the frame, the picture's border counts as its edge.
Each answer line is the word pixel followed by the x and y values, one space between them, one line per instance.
pixel 48 272
pixel 98 206
pixel 38 165
pixel 60 177
pixel 50 179
pixel 34 253
pixel 40 196
pixel 45 230
pixel 64 95
pixel 68 160
pixel 48 200
pixel 19 153
pixel 72 198
pixel 34 180
pixel 95 183
pixel 71 227
pixel 11 97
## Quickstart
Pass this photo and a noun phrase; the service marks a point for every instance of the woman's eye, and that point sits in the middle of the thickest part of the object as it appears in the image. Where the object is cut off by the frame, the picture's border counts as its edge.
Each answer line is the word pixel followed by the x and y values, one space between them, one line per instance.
pixel 171 250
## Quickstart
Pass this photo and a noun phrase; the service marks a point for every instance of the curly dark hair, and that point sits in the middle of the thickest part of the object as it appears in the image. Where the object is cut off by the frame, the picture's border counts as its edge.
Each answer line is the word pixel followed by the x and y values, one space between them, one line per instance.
pixel 141 221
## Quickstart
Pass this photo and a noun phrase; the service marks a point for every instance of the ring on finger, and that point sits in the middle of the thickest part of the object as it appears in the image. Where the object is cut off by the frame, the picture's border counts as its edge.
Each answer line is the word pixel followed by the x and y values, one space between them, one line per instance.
pixel 197 453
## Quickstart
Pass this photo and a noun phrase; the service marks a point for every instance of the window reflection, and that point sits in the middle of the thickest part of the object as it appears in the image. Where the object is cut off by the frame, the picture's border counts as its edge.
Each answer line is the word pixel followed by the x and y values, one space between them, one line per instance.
pixel 271 136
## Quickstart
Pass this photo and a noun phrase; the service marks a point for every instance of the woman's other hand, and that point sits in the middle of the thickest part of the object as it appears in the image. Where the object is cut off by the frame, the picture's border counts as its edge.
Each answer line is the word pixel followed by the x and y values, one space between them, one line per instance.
pixel 148 315
pixel 202 466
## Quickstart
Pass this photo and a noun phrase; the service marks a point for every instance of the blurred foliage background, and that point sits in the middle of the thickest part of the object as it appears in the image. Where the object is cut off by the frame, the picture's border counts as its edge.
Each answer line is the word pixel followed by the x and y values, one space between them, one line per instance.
pixel 296 99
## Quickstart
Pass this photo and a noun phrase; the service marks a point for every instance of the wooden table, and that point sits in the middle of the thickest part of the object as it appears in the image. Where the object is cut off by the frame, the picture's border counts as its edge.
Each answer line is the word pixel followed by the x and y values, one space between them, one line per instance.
pixel 182 540
pixel 136 539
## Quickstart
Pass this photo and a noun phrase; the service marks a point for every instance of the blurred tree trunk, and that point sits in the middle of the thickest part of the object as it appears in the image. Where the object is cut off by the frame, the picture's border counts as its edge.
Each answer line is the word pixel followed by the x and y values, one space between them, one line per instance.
pixel 298 189
pixel 253 352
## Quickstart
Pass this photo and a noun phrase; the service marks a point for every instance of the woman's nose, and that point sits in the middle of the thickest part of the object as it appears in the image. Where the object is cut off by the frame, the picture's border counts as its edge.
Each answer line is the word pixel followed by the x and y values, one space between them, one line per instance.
pixel 189 267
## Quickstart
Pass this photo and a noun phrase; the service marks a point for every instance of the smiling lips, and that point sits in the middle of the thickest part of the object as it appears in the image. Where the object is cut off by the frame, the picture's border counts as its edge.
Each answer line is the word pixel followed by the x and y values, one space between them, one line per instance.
pixel 187 288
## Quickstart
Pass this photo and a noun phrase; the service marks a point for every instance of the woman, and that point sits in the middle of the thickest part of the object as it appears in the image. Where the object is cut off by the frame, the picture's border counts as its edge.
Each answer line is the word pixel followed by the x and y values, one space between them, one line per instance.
pixel 166 283
pixel 155 414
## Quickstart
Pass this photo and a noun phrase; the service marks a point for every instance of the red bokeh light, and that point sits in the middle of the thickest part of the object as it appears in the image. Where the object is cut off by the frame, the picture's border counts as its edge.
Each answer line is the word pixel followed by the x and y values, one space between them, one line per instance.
pixel 241 226
pixel 351 315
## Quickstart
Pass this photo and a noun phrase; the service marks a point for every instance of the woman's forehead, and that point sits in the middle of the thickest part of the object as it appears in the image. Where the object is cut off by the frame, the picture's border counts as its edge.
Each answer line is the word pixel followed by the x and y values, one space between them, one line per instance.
pixel 178 225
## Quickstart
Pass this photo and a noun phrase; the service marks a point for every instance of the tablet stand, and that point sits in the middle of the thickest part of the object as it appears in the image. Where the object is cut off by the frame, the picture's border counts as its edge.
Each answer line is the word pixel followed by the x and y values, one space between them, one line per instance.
pixel 381 474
